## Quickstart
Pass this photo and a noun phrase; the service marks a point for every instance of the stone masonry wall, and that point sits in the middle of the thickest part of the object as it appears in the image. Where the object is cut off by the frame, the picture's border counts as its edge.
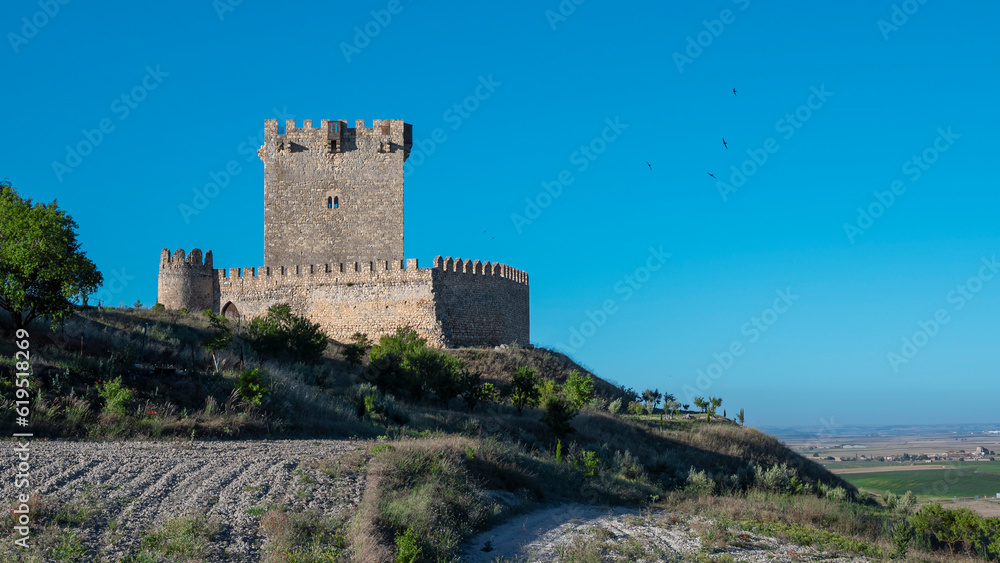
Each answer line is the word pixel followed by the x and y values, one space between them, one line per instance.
pixel 186 281
pixel 360 168
pixel 455 303
pixel 372 298
pixel 481 304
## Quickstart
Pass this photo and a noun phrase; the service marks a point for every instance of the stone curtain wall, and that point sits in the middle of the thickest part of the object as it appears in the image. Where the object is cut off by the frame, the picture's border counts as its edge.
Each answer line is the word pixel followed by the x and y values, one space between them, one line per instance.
pixel 481 304
pixel 455 303
pixel 361 167
pixel 372 298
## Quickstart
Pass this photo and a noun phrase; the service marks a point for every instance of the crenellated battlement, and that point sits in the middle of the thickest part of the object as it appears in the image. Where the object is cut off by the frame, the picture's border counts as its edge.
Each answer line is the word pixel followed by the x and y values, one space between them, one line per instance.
pixel 180 259
pixel 366 271
pixel 186 280
pixel 481 268
pixel 334 136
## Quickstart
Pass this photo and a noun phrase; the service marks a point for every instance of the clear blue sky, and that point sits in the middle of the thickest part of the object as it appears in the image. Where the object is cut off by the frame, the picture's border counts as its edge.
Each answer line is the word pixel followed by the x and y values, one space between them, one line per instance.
pixel 199 79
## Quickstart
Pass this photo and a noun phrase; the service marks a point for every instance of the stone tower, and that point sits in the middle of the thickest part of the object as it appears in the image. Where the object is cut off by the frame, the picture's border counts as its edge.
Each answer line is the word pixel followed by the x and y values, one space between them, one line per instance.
pixel 186 281
pixel 334 194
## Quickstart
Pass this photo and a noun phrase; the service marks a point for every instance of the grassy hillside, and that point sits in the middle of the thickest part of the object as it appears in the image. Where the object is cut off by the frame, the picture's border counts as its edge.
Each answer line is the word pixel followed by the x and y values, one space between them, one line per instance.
pixel 436 472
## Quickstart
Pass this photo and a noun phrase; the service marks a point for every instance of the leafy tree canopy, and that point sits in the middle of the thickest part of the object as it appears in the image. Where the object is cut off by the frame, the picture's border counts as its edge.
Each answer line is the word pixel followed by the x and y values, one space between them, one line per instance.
pixel 42 269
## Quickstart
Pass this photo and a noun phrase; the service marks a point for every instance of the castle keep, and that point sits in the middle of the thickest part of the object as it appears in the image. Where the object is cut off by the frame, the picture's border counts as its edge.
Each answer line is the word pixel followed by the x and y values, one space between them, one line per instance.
pixel 333 249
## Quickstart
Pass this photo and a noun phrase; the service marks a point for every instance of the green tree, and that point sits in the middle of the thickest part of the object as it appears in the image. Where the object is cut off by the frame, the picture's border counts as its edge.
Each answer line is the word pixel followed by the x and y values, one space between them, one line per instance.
pixel 386 369
pixel 282 332
pixel 714 403
pixel 474 391
pixel 356 350
pixel 438 370
pixel 740 417
pixel 651 397
pixel 701 403
pixel 672 405
pixel 557 416
pixel 252 387
pixel 635 408
pixel 42 269
pixel 579 390
pixel 524 389
pixel 402 364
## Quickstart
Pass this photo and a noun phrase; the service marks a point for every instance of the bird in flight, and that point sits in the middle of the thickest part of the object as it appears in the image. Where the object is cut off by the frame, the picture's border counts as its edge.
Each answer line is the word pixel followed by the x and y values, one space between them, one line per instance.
pixel 649 165
pixel 712 175
pixel 734 91
pixel 724 143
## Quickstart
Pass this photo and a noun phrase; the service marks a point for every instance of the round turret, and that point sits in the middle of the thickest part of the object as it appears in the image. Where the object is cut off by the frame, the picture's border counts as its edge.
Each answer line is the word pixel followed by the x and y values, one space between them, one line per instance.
pixel 186 281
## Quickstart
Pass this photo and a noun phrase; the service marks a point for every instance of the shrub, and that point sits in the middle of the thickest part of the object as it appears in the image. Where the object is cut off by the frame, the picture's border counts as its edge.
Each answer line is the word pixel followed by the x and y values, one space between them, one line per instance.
pixel 251 386
pixel 636 408
pixel 437 370
pixel 356 350
pixel 579 390
pixel 778 479
pixel 615 406
pixel 402 363
pixel 590 463
pixel 158 307
pixel 557 416
pixel 547 388
pixel 115 396
pixel 473 390
pixel 628 466
pixel 407 549
pixel 282 332
pixel 837 494
pixel 699 483
pixel 902 535
pixel 368 401
pixel 524 389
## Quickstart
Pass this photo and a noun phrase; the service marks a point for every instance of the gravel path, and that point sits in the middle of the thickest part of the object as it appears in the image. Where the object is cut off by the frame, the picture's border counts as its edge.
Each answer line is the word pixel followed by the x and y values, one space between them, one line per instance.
pixel 623 534
pixel 134 486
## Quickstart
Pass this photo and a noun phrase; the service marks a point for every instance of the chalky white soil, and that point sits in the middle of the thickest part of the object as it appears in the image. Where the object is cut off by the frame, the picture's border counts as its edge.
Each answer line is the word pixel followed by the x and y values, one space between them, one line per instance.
pixel 140 484
pixel 539 536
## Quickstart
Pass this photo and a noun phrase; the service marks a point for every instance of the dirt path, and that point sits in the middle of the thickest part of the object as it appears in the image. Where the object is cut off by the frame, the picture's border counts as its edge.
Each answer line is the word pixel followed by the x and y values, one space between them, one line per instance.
pixel 990 508
pixel 856 470
pixel 132 486
pixel 625 535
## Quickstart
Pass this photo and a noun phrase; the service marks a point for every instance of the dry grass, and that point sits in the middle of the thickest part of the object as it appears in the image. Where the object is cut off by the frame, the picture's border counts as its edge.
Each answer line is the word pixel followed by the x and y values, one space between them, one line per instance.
pixel 497 365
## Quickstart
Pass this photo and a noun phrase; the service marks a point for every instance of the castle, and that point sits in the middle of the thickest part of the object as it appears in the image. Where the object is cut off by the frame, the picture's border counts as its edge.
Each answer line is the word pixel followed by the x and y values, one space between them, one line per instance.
pixel 333 249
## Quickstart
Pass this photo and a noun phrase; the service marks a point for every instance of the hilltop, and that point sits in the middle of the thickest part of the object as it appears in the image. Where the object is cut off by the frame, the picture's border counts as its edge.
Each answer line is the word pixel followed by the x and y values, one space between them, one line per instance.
pixel 434 472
